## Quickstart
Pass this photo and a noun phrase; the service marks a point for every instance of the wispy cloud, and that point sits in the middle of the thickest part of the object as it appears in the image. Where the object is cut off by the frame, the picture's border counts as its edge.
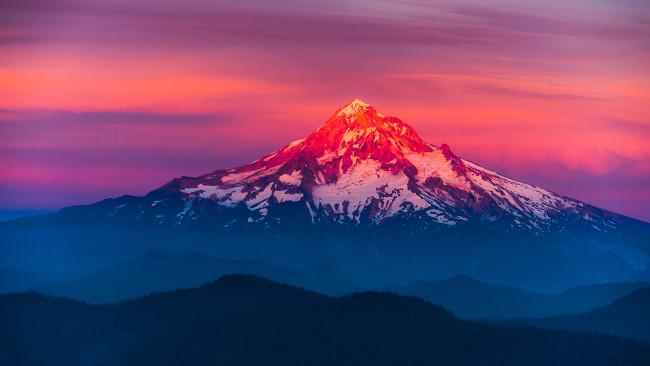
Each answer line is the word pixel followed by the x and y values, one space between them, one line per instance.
pixel 35 118
pixel 223 22
pixel 562 25
pixel 524 93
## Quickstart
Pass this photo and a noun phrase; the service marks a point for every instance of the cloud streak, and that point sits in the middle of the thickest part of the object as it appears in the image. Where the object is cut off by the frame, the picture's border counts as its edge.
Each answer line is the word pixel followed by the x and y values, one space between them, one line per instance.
pixel 201 22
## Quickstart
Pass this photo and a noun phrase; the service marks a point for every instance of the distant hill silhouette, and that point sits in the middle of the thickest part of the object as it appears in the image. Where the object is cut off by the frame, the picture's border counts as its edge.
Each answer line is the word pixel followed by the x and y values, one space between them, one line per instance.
pixel 160 271
pixel 13 280
pixel 246 320
pixel 471 298
pixel 628 317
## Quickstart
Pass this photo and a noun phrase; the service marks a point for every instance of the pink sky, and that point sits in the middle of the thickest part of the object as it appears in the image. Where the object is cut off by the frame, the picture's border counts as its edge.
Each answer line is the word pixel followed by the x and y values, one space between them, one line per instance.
pixel 101 98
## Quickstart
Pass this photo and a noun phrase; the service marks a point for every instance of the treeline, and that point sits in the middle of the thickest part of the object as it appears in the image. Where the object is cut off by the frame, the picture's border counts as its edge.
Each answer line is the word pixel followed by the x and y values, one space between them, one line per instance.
pixel 244 320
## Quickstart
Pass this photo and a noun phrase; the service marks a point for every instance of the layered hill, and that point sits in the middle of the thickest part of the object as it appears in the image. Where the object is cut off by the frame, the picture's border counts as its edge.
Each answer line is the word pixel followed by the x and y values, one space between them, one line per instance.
pixel 470 298
pixel 627 317
pixel 159 271
pixel 244 320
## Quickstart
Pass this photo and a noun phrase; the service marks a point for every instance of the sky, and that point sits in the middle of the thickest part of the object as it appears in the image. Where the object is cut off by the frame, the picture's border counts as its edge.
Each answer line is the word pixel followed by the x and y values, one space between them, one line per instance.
pixel 104 98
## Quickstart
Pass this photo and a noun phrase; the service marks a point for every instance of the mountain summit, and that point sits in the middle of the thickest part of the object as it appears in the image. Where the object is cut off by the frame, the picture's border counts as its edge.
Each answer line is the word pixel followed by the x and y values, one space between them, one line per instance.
pixel 358 125
pixel 366 183
pixel 361 167
pixel 357 132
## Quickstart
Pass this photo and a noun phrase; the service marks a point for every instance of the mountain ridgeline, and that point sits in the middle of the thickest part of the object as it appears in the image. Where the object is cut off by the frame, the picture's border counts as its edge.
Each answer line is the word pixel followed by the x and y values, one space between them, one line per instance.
pixel 627 317
pixel 363 194
pixel 470 298
pixel 159 271
pixel 246 320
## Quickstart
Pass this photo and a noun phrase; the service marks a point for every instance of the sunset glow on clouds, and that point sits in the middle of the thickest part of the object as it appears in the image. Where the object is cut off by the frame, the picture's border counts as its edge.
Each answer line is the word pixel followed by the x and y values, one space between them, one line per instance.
pixel 105 98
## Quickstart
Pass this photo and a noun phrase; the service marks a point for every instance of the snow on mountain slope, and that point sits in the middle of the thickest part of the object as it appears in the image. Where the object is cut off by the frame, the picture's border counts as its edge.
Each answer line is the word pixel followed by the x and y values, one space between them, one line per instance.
pixel 365 184
pixel 361 167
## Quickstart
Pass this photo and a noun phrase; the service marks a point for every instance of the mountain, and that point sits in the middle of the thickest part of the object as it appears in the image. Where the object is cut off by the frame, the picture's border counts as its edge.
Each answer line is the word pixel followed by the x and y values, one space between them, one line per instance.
pixel 363 191
pixel 160 271
pixel 358 168
pixel 627 317
pixel 460 293
pixel 245 320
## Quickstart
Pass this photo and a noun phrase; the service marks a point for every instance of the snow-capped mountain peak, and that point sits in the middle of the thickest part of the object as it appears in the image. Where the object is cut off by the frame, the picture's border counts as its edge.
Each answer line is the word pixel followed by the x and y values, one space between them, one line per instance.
pixel 361 168
pixel 358 132
pixel 353 107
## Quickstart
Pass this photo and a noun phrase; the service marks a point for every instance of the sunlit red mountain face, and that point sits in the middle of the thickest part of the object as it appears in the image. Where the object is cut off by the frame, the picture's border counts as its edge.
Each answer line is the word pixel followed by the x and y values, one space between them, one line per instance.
pixel 362 167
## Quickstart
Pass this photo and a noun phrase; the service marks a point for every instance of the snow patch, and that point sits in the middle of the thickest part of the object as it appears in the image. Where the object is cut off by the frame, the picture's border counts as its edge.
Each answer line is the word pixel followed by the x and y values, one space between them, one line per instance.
pixel 181 215
pixel 293 144
pixel 434 164
pixel 247 176
pixel 228 197
pixel 366 184
pixel 261 195
pixel 283 196
pixel 353 107
pixel 516 197
pixel 293 179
